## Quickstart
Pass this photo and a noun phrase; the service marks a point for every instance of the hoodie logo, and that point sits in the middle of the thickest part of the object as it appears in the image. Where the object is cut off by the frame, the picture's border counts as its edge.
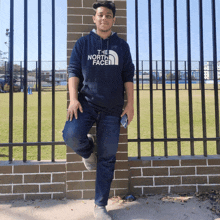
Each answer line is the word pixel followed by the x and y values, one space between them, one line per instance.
pixel 105 57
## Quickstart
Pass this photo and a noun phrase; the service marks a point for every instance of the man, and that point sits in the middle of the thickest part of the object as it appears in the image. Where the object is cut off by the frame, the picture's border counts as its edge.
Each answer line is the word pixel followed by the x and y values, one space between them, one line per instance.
pixel 100 69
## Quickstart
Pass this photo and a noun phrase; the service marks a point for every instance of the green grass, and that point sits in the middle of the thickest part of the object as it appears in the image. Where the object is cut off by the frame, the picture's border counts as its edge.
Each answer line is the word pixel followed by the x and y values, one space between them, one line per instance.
pixel 32 124
pixel 60 104
pixel 171 122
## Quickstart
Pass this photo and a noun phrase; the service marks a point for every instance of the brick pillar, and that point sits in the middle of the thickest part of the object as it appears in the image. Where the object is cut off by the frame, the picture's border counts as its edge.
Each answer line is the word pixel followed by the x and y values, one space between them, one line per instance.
pixel 80 182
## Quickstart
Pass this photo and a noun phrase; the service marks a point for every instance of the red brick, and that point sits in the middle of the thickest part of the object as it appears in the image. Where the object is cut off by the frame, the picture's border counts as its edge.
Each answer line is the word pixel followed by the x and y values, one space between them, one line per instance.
pixel 123 147
pixel 122 156
pixel 214 161
pixel 88 194
pixel 155 190
pixel 165 163
pixel 80 11
pixel 74 195
pixel 183 189
pixel 38 178
pixel 75 3
pixel 135 191
pixel 123 130
pixel 121 174
pixel 207 188
pixel 194 179
pixel 59 195
pixel 87 19
pixel 214 179
pixel 80 185
pixel 155 171
pixel 9 179
pixel 120 4
pixel 53 168
pixel 75 167
pixel 121 192
pixel 88 3
pixel 73 37
pixel 26 169
pixel 5 189
pixel 5 169
pixel 53 188
pixel 89 175
pixel 71 44
pixel 74 176
pixel 61 177
pixel 71 19
pixel 73 158
pixel 141 181
pixel 111 193
pixel 120 165
pixel 135 172
pixel 121 21
pixel 138 163
pixel 208 170
pixel 25 188
pixel 193 162
pixel 11 197
pixel 123 138
pixel 167 181
pixel 119 184
pixel 182 171
pixel 37 196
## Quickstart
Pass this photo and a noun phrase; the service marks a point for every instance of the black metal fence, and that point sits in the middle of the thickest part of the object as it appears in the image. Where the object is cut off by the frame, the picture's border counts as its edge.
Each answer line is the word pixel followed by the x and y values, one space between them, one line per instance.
pixel 155 70
pixel 178 138
pixel 39 143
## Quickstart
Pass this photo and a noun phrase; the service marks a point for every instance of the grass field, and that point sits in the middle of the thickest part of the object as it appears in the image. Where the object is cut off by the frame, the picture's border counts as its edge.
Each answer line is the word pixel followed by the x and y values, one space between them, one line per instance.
pixel 60 151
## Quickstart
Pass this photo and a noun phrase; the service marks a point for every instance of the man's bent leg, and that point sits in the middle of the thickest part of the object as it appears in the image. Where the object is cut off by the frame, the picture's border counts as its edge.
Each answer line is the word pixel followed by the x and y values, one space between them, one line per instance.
pixel 75 133
pixel 108 129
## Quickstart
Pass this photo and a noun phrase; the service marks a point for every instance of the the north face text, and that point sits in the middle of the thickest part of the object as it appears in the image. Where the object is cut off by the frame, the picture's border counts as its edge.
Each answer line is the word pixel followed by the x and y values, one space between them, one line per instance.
pixel 104 58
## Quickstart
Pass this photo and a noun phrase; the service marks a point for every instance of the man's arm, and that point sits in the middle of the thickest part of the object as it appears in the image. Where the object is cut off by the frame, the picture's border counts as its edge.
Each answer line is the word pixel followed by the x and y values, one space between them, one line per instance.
pixel 129 109
pixel 74 103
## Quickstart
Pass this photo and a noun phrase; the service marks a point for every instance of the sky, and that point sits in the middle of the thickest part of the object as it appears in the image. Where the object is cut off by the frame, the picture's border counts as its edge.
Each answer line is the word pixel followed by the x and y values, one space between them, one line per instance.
pixel 61 32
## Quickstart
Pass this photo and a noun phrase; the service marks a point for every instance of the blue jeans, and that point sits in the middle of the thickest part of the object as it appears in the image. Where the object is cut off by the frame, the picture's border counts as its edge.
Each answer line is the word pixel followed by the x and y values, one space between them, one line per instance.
pixel 107 134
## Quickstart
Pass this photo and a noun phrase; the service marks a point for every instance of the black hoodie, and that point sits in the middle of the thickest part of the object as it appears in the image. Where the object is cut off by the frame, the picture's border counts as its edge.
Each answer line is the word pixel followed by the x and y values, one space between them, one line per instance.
pixel 103 66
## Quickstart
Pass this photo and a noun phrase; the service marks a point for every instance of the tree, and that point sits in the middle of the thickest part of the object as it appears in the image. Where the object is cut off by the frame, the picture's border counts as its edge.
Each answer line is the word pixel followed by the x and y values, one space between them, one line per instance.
pixel 170 76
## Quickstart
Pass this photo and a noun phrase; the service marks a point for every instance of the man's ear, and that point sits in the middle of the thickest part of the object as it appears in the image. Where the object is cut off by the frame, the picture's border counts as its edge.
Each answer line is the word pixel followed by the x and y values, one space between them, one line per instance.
pixel 114 20
pixel 93 18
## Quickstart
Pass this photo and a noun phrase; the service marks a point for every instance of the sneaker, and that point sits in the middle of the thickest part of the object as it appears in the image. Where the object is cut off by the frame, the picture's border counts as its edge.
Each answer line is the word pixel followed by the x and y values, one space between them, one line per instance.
pixel 91 162
pixel 100 213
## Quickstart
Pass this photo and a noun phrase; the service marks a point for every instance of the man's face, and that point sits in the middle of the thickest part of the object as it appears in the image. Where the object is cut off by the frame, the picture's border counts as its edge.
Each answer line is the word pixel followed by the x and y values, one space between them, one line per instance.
pixel 103 19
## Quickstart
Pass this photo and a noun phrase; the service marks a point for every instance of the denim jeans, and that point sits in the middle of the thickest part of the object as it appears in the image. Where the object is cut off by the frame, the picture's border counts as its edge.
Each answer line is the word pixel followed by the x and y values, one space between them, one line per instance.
pixel 107 134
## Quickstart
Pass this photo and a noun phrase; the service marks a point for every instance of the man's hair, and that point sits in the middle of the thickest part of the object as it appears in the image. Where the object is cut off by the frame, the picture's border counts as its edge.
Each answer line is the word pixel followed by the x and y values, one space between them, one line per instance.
pixel 108 4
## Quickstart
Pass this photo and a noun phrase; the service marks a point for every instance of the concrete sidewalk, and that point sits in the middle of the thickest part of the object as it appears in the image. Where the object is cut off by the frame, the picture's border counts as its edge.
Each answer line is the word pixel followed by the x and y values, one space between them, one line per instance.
pixel 150 208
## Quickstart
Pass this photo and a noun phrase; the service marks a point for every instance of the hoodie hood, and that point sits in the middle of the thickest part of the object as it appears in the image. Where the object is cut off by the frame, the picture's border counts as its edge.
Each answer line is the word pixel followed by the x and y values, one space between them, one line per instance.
pixel 94 34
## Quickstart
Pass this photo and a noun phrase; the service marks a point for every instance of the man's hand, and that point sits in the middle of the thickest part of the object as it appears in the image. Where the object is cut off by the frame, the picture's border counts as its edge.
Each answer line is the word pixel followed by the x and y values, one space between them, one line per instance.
pixel 73 110
pixel 129 110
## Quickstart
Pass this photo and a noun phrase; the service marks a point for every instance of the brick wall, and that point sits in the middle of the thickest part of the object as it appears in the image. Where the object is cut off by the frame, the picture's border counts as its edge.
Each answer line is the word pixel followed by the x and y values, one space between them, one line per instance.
pixel 32 180
pixel 174 174
pixel 80 182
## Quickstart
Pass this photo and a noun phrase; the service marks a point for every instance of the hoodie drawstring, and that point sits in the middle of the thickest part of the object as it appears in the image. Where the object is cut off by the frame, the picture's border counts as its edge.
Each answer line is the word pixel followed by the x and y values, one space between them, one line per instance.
pixel 108 48
pixel 107 54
